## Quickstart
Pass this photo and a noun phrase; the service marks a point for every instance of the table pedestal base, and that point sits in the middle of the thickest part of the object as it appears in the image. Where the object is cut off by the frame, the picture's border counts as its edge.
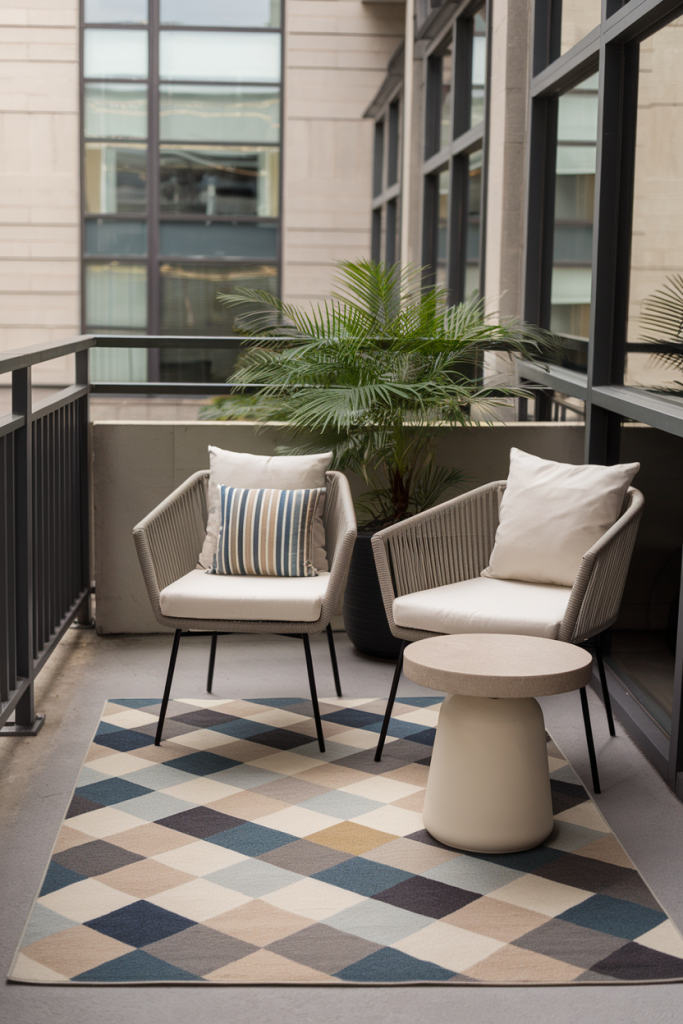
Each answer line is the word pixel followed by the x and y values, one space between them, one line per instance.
pixel 488 788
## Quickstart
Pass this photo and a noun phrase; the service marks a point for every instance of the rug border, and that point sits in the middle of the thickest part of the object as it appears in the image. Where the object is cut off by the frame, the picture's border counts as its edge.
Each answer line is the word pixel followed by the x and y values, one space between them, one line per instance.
pixel 338 983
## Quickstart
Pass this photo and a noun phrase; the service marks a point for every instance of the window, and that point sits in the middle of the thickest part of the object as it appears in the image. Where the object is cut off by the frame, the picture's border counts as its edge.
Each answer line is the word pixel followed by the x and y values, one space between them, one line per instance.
pixel 654 357
pixel 386 186
pixel 181 170
pixel 454 157
pixel 570 295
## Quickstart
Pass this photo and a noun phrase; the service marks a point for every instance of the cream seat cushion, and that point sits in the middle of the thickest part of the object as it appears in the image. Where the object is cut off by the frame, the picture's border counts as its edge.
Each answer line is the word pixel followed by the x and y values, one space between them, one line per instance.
pixel 485 605
pixel 197 595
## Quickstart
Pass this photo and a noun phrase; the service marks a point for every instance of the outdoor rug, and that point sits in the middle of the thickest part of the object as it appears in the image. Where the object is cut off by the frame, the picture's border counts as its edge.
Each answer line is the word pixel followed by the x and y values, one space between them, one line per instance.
pixel 238 853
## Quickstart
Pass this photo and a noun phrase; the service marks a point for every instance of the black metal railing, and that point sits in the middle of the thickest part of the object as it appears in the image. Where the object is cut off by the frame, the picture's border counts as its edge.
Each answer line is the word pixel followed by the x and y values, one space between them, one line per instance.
pixel 45 580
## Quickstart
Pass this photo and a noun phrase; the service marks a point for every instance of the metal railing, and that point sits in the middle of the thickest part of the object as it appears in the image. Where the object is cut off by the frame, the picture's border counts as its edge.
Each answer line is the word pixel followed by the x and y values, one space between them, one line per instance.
pixel 45 580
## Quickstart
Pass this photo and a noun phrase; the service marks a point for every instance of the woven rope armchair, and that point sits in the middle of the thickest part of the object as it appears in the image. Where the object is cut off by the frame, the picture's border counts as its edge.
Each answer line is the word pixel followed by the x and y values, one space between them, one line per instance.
pixel 168 543
pixel 453 542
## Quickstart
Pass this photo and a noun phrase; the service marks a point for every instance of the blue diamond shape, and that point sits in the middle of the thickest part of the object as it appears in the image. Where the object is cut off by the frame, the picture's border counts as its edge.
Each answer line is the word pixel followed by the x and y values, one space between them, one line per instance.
pixel 136 966
pixel 622 918
pixel 251 840
pixel 242 728
pixel 202 763
pixel 123 739
pixel 362 876
pixel 112 791
pixel 58 877
pixel 140 923
pixel 416 732
pixel 392 965
pixel 355 718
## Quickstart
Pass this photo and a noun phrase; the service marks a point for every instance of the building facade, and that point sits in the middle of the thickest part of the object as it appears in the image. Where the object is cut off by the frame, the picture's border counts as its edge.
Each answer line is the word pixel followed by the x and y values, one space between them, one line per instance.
pixel 157 152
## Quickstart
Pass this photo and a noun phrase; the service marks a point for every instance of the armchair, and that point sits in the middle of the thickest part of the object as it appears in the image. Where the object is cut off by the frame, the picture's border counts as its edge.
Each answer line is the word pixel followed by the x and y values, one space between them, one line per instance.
pixel 429 572
pixel 191 602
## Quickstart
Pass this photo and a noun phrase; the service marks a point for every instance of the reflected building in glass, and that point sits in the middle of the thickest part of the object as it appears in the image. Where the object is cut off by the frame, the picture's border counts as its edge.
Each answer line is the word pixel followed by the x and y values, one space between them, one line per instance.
pixel 181 171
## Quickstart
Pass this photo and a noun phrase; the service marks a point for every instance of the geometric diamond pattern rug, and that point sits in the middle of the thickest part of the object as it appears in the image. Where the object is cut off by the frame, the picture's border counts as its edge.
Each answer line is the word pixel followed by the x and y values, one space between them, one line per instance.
pixel 237 853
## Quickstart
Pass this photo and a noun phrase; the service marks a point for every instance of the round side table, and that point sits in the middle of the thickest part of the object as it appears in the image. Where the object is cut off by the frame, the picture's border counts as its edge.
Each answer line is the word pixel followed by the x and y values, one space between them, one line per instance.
pixel 489 789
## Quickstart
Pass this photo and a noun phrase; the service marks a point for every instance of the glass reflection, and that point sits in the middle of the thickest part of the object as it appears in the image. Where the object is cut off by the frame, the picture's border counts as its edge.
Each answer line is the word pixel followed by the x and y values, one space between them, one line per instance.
pixel 255 241
pixel 189 291
pixel 579 17
pixel 115 296
pixel 446 73
pixel 115 53
pixel 478 68
pixel 115 178
pixel 228 113
pixel 219 181
pixel 115 111
pixel 655 310
pixel 220 56
pixel 473 223
pixel 573 235
pixel 222 13
pixel 115 11
pixel 442 230
pixel 115 237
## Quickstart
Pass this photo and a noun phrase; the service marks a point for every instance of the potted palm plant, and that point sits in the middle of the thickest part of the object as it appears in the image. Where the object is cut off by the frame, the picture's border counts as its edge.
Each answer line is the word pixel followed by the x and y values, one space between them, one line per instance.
pixel 374 374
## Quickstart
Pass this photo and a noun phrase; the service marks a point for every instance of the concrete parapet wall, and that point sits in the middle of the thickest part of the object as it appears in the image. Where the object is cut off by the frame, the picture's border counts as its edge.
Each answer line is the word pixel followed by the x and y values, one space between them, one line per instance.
pixel 137 464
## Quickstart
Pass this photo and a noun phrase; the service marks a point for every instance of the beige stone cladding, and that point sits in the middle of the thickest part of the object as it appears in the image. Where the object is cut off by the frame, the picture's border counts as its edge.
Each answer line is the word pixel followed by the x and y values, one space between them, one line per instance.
pixel 39 177
pixel 657 242
pixel 337 53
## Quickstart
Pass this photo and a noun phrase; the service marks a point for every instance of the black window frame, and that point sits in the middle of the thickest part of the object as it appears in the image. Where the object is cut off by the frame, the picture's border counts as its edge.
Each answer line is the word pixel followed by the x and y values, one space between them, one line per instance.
pixel 612 50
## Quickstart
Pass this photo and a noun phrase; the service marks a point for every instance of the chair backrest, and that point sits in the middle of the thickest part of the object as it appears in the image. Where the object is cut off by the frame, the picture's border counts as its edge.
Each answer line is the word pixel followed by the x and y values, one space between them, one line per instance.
pixel 599 585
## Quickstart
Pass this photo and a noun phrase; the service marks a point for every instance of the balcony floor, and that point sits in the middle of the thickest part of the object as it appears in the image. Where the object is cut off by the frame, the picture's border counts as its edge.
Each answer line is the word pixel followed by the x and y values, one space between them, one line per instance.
pixel 38 775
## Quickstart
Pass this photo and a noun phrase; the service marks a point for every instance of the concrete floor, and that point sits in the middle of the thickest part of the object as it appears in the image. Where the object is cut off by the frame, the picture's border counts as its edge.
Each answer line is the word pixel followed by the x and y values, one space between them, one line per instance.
pixel 38 776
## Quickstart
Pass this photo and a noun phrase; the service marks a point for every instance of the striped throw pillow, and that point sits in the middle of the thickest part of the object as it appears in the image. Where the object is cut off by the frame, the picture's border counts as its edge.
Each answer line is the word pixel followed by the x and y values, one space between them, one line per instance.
pixel 266 532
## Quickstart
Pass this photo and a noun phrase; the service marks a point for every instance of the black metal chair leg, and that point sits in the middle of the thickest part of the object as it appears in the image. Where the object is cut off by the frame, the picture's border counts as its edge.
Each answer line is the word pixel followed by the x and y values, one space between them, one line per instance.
pixel 333 659
pixel 314 694
pixel 589 740
pixel 212 662
pixel 167 689
pixel 603 682
pixel 390 702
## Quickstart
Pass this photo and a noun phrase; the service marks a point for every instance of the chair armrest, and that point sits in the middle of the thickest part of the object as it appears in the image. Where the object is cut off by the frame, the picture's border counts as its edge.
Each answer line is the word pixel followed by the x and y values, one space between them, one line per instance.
pixel 169 539
pixel 446 544
pixel 340 537
pixel 599 586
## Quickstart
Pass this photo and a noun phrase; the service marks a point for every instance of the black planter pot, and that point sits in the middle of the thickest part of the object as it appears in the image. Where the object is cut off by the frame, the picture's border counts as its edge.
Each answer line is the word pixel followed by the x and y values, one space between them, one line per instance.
pixel 365 620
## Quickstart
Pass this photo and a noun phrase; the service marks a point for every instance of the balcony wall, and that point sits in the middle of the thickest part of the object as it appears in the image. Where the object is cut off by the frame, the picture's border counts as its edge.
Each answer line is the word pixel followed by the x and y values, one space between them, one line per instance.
pixel 137 464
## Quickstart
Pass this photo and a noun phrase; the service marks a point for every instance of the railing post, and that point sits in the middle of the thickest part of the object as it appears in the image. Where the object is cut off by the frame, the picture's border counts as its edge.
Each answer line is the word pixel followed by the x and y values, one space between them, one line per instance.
pixel 84 616
pixel 27 723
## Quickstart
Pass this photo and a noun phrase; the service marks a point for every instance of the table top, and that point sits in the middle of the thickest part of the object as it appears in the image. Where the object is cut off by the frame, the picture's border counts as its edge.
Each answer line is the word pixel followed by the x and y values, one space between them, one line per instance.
pixel 497 665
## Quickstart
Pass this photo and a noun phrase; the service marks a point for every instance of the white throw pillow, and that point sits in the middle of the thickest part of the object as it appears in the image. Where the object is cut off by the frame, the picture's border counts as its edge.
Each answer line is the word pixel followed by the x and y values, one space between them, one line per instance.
pixel 551 514
pixel 279 472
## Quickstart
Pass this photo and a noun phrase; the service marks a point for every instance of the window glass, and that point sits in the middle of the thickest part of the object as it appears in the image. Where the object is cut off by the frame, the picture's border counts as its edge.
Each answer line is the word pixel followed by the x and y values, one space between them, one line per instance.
pixel 473 223
pixel 573 234
pixel 446 75
pixel 115 237
pixel 478 69
pixel 115 296
pixel 579 17
pixel 219 181
pixel 442 230
pixel 115 178
pixel 216 56
pixel 189 293
pixel 655 312
pixel 115 53
pixel 643 639
pixel 112 11
pixel 115 111
pixel 378 159
pixel 118 365
pixel 228 113
pixel 199 238
pixel 222 13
